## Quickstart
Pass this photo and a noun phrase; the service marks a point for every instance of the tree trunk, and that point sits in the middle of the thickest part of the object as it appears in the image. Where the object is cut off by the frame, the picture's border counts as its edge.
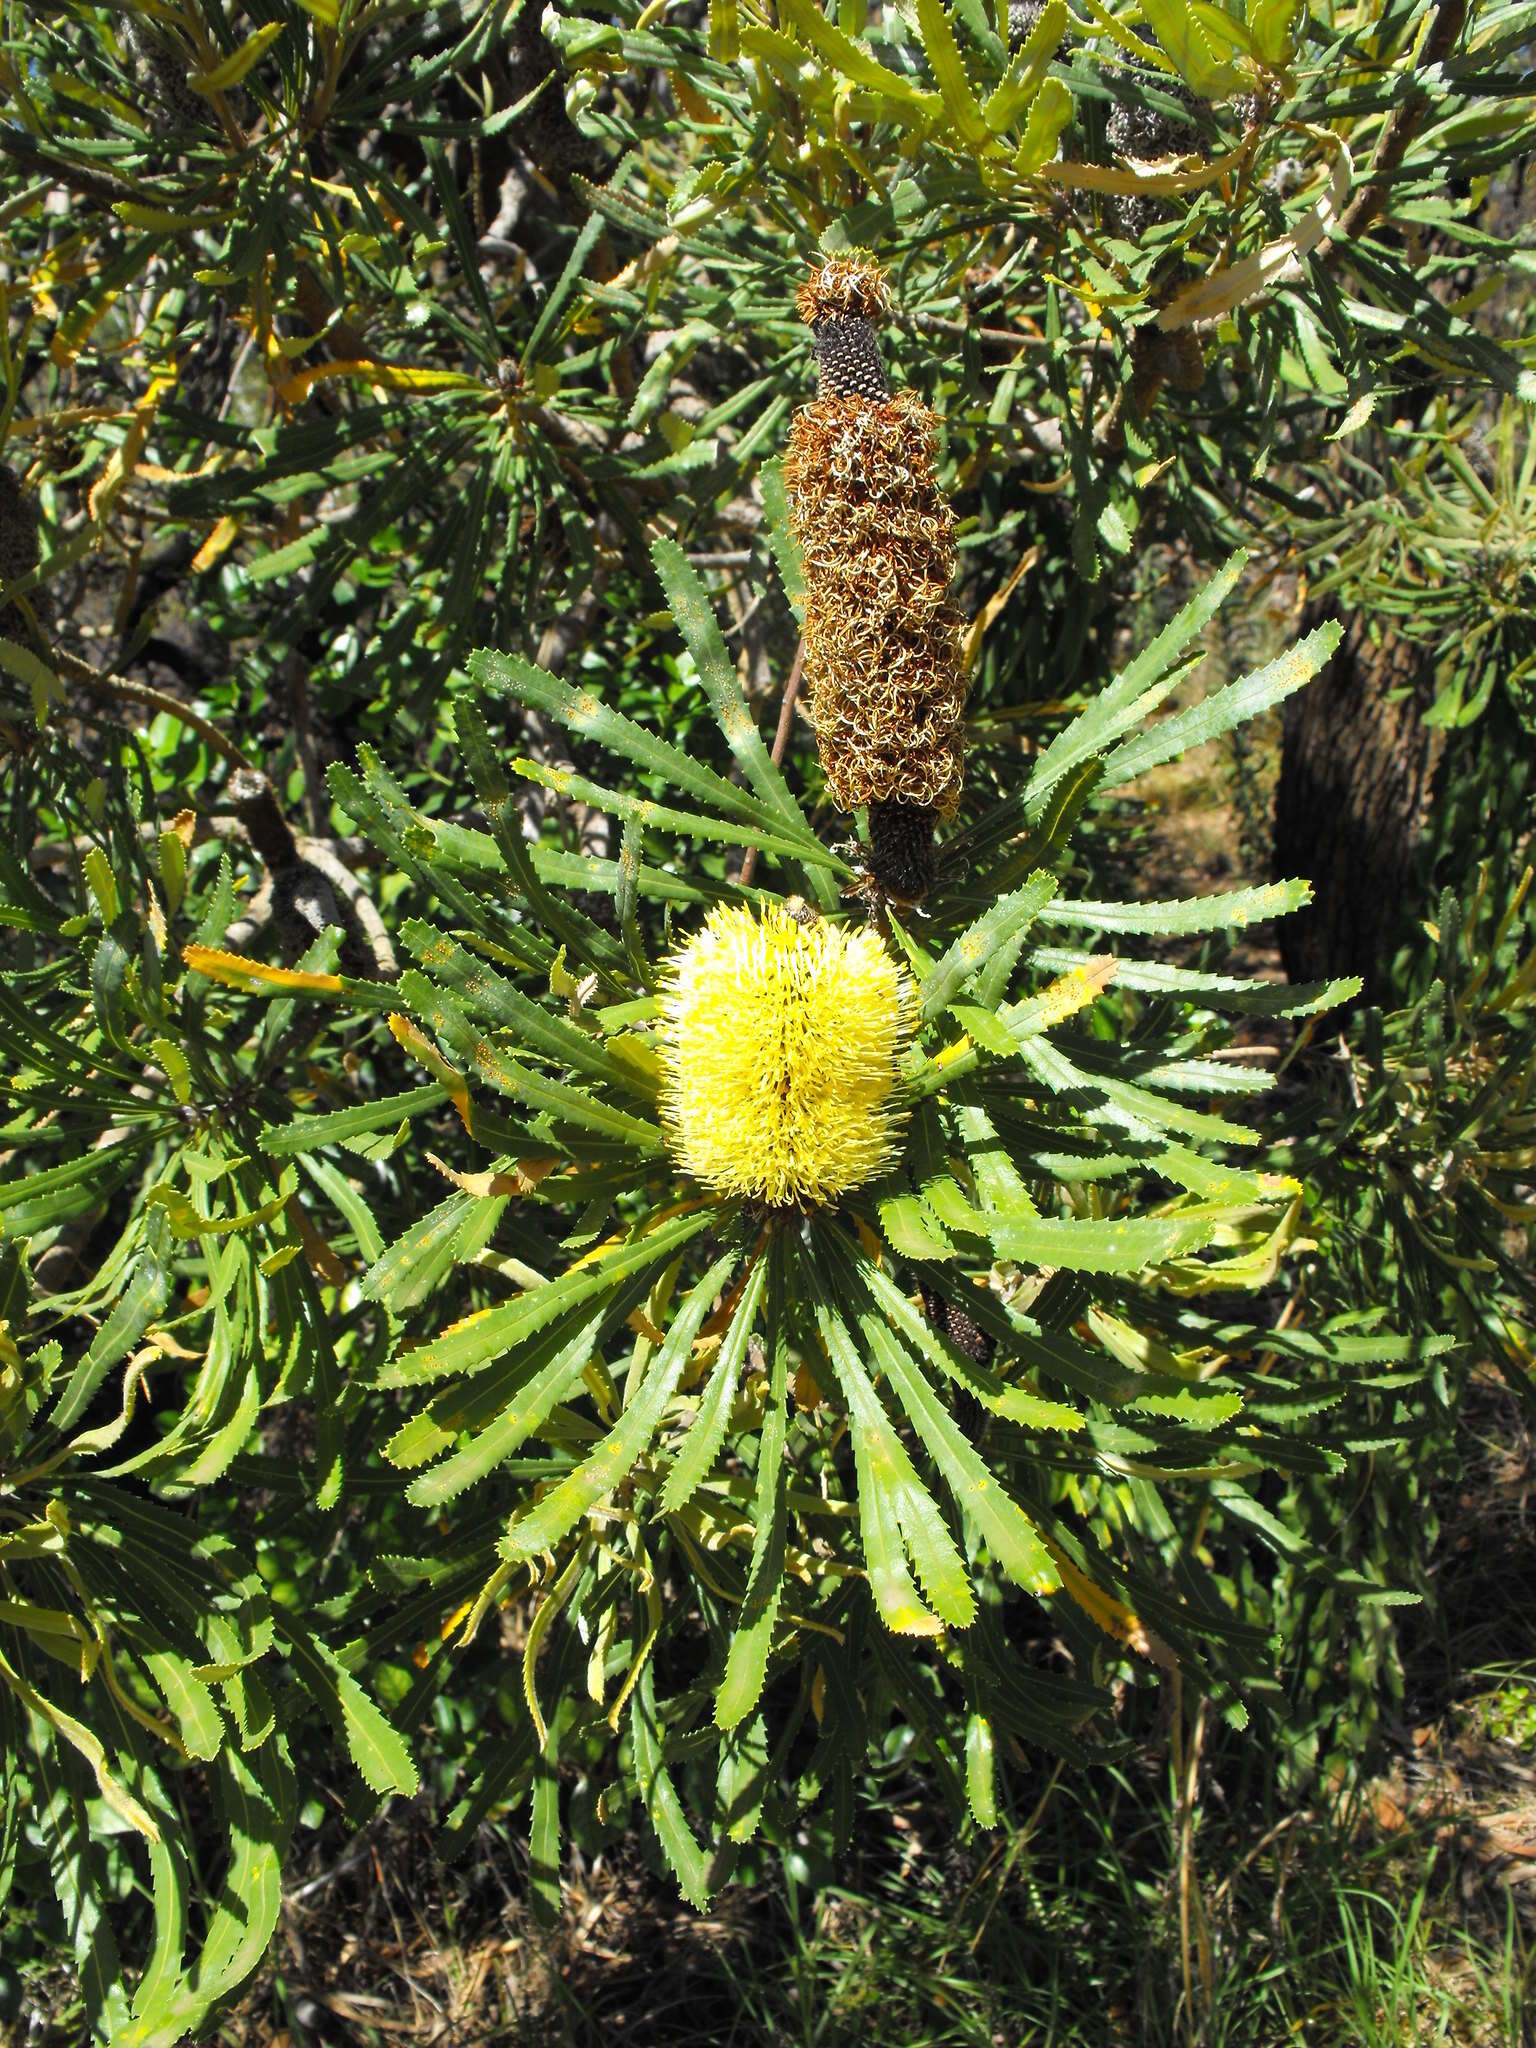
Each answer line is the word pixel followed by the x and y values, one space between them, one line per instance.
pixel 1356 768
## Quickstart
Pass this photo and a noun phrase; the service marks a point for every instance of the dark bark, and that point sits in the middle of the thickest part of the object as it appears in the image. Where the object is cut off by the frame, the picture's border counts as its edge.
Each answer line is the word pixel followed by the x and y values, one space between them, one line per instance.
pixel 1356 770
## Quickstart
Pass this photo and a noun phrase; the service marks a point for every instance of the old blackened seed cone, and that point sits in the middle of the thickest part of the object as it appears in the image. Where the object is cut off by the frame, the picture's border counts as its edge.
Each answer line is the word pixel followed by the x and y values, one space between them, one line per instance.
pixel 1146 134
pixel 1022 18
pixel 901 853
pixel 848 358
pixel 163 69
pixel 884 679
pixel 967 1335
pixel 1158 358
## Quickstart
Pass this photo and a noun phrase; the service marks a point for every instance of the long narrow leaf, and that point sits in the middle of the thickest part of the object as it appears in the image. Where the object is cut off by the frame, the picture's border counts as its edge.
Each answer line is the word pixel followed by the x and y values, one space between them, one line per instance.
pixel 542 1527
pixel 746 1663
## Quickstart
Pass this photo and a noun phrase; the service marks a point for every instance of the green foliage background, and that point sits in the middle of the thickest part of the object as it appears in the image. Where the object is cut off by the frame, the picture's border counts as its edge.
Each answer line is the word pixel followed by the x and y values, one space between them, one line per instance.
pixel 397 392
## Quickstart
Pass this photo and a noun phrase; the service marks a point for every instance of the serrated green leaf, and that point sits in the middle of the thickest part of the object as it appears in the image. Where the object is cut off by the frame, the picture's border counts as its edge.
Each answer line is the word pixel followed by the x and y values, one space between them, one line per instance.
pixel 543 1525
pixel 1050 113
pixel 1135 692
pixel 896 1511
pixel 1187 39
pixel 691 1467
pixel 196 1711
pixel 697 1874
pixel 1027 68
pixel 980 1771
pixel 1231 910
pixel 534 1401
pixel 746 1663
pixel 701 632
pixel 781 535
pixel 1005 920
pixel 374 1744
pixel 476 1342
pixel 944 60
pixel 1219 713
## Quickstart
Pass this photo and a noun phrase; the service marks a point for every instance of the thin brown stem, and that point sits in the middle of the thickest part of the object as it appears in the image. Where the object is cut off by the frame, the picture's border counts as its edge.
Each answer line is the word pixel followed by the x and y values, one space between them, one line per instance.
pixel 1401 127
pixel 156 700
pixel 780 743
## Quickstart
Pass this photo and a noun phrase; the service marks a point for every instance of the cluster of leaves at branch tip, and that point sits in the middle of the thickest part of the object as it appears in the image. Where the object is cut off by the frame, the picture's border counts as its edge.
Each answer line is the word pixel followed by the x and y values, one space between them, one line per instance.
pixel 883 669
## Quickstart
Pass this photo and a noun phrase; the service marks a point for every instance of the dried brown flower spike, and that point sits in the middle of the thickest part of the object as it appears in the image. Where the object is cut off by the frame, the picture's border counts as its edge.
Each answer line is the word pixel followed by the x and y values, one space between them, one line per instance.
pixel 884 677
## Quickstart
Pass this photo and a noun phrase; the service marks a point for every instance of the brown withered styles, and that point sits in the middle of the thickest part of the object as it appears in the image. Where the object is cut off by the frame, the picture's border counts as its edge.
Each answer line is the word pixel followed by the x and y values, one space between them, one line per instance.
pixel 884 677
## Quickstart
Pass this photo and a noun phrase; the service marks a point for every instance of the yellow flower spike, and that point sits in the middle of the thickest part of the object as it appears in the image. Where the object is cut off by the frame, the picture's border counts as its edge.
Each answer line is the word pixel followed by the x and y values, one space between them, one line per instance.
pixel 779 1053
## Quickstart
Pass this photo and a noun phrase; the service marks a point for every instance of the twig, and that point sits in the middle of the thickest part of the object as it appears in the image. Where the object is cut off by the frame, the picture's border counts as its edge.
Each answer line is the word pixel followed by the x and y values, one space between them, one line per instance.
pixel 350 1861
pixel 1000 337
pixel 236 367
pixel 1192 1922
pixel 1306 1813
pixel 106 685
pixel 780 743
pixel 1402 126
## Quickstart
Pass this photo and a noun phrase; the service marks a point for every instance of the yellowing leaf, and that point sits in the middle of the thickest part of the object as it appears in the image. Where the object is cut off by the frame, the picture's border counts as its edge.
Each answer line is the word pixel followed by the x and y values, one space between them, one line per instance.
pixel 1108 1613
pixel 125 457
pixel 186 1223
pixel 156 220
pixel 234 67
pixel 1276 261
pixel 420 1047
pixel 995 603
pixel 387 376
pixel 235 971
pixel 523 1179
pixel 219 542
pixel 1062 998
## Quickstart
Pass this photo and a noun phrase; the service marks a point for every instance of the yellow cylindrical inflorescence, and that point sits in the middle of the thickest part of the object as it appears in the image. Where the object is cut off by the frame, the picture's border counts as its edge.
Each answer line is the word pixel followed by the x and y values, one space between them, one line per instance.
pixel 779 1054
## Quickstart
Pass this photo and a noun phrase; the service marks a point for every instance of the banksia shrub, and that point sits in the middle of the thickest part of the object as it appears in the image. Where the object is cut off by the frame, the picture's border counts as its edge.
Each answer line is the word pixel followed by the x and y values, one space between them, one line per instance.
pixel 883 671
pixel 788 1407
